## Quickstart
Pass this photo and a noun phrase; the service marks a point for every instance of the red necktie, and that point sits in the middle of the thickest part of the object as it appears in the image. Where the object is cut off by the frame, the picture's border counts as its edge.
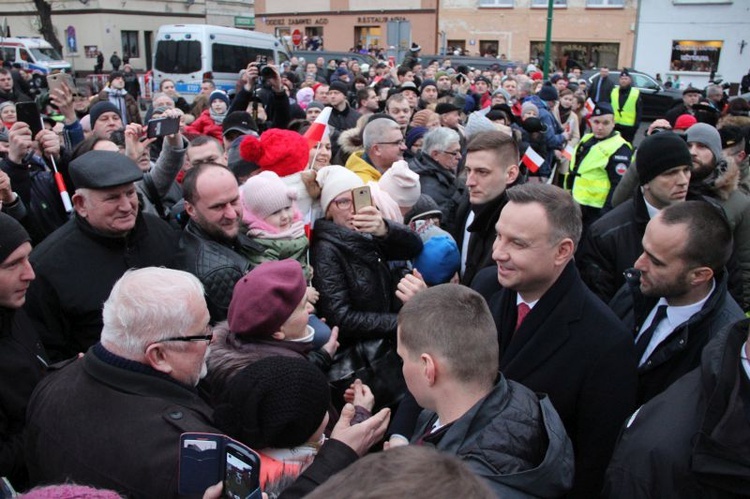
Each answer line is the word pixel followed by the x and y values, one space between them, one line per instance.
pixel 523 311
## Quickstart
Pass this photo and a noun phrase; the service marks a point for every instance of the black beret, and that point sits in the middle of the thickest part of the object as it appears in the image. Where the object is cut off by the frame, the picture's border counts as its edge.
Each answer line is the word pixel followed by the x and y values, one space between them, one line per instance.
pixel 446 107
pixel 603 108
pixel 103 169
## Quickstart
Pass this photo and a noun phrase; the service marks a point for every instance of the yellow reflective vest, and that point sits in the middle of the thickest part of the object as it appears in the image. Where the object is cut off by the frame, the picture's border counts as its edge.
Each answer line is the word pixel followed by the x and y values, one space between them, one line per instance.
pixel 590 179
pixel 625 116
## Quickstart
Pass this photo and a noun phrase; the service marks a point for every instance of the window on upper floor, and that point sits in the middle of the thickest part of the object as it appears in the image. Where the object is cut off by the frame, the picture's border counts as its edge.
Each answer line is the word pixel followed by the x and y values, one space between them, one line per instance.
pixel 544 3
pixel 496 3
pixel 605 3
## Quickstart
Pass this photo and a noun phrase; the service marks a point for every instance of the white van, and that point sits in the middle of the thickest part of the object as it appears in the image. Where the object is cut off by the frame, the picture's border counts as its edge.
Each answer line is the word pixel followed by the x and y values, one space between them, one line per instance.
pixel 34 54
pixel 188 53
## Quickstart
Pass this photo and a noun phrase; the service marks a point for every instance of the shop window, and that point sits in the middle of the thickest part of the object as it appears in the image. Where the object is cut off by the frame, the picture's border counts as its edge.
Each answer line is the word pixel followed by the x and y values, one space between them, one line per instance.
pixel 456 47
pixel 368 37
pixel 488 48
pixel 695 55
pixel 130 44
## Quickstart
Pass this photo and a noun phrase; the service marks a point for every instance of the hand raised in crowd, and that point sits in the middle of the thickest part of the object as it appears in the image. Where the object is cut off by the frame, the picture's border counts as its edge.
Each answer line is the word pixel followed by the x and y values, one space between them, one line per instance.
pixel 410 285
pixel 359 394
pixel 361 436
pixel 250 76
pixel 134 147
pixel 175 139
pixel 370 221
pixel 20 141
pixel 6 190
pixel 660 123
pixel 49 143
pixel 332 344
pixel 62 99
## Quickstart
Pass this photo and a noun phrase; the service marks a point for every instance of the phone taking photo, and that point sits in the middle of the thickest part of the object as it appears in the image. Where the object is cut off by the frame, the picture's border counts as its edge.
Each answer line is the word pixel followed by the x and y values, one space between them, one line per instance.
pixel 58 80
pixel 241 472
pixel 361 197
pixel 161 127
pixel 28 112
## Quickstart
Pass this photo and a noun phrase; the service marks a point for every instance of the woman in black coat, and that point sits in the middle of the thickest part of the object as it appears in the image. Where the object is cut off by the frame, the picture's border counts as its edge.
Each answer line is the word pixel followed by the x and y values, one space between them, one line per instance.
pixel 350 254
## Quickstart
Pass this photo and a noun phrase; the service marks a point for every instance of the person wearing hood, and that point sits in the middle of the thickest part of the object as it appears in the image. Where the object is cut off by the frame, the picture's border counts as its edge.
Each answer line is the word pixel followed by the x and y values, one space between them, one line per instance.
pixel 506 434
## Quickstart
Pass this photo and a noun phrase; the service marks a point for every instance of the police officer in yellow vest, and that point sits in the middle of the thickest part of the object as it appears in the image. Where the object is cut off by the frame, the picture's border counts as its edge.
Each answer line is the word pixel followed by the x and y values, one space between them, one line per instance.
pixel 626 101
pixel 599 161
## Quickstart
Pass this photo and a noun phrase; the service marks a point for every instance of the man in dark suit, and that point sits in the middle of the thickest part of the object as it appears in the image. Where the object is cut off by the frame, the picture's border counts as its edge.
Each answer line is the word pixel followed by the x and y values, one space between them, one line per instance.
pixel 491 167
pixel 555 335
pixel 601 86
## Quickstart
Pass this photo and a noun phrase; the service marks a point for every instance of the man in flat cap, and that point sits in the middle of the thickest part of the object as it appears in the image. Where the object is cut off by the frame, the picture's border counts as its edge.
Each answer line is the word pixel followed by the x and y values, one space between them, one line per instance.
pixel 78 264
pixel 599 161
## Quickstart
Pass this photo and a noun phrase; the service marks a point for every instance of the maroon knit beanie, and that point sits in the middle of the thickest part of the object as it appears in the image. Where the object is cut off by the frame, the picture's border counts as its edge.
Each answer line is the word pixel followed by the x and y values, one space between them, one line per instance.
pixel 265 298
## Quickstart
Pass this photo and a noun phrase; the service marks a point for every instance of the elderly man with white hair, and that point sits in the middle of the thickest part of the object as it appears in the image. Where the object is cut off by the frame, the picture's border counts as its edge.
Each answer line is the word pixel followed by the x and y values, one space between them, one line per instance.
pixel 437 165
pixel 113 418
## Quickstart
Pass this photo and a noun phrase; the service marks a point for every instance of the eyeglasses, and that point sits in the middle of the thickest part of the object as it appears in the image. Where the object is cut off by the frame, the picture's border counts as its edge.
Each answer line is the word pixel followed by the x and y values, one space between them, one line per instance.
pixel 343 203
pixel 393 143
pixel 455 154
pixel 207 337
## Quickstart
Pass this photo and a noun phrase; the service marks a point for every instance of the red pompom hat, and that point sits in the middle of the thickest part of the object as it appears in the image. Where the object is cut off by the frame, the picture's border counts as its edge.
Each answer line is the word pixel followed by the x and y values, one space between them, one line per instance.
pixel 281 151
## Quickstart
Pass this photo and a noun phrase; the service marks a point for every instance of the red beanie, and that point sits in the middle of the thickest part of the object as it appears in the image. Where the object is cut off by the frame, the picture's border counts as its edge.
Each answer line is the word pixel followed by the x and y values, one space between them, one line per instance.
pixel 265 298
pixel 685 121
pixel 281 151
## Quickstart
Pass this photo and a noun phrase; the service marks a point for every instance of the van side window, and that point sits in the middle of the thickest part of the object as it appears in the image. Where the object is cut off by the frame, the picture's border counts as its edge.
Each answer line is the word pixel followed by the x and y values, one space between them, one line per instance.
pixel 24 55
pixel 8 54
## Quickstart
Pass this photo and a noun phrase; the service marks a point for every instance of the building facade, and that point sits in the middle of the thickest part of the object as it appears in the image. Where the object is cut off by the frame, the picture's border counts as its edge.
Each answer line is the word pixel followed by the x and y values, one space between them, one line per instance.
pixel 586 33
pixel 342 25
pixel 126 26
pixel 685 40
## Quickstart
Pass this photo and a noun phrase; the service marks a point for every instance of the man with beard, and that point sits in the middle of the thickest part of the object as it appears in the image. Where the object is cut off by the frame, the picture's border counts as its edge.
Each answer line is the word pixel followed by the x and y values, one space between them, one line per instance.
pixel 675 298
pixel 114 418
pixel 212 246
pixel 7 90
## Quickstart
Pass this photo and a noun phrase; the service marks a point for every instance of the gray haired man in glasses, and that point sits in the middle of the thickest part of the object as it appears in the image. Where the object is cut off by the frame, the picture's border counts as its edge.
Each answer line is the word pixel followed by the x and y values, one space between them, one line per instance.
pixel 383 143
pixel 113 418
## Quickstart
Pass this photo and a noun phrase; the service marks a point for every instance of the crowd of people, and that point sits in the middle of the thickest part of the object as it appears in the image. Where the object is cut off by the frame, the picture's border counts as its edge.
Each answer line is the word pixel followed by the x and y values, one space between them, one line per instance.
pixel 335 262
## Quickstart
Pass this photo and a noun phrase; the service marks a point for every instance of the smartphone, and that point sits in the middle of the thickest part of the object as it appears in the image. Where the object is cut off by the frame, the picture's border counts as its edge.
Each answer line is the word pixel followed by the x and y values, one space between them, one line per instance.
pixel 57 80
pixel 160 127
pixel 28 112
pixel 241 472
pixel 361 197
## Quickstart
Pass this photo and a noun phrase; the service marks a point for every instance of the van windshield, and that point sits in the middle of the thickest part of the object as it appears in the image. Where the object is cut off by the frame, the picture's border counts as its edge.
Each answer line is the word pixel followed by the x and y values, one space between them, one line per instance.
pixel 48 55
pixel 180 57
pixel 232 58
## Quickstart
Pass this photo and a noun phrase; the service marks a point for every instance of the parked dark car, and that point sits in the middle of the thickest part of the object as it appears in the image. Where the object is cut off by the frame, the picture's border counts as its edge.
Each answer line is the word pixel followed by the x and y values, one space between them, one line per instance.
pixel 656 99
pixel 312 56
pixel 471 62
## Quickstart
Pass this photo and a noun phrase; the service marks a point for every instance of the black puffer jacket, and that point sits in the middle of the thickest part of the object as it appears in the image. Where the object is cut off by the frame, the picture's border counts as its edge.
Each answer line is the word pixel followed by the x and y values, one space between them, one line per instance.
pixel 441 185
pixel 218 265
pixel 513 438
pixel 355 284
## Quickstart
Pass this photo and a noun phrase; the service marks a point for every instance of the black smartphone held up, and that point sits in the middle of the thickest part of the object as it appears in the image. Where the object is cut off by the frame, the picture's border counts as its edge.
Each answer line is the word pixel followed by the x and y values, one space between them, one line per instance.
pixel 160 127
pixel 241 472
pixel 361 197
pixel 28 112
pixel 208 458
